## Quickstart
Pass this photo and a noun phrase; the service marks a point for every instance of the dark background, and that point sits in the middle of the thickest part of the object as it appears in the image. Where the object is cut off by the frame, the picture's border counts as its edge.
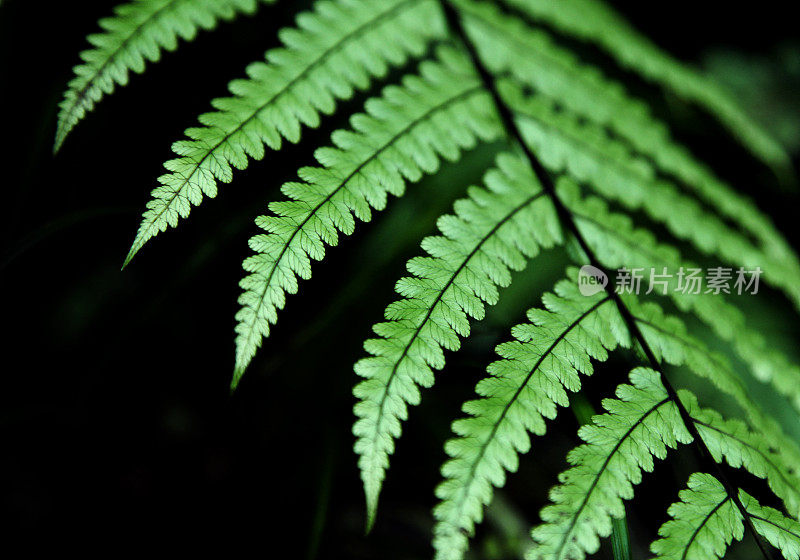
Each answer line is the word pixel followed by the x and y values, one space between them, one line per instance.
pixel 115 415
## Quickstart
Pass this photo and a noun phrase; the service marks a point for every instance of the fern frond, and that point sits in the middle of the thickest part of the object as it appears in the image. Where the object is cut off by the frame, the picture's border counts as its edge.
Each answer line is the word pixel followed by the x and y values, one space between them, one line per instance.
pixel 706 521
pixel 670 337
pixel 590 155
pixel 454 540
pixel 577 132
pixel 403 135
pixel 780 531
pixel 537 369
pixel 522 392
pixel 756 452
pixel 620 445
pixel 507 45
pixel 137 33
pixel 594 22
pixel 617 243
pixel 335 50
pixel 703 524
pixel 494 231
pixel 642 423
pixel 420 370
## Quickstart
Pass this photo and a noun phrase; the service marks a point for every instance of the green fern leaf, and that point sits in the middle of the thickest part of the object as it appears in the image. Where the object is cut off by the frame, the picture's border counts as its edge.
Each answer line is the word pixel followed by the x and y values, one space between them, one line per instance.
pixel 619 446
pixel 420 371
pixel 642 423
pixel 494 231
pixel 403 135
pixel 335 50
pixel 530 55
pixel 757 453
pixel 522 393
pixel 589 497
pixel 500 72
pixel 137 33
pixel 704 523
pixel 617 243
pixel 543 363
pixel 588 154
pixel 595 23
pixel 780 531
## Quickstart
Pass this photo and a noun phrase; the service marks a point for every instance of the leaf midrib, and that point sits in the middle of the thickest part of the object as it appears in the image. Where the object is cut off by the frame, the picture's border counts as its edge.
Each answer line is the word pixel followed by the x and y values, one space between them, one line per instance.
pixel 699 528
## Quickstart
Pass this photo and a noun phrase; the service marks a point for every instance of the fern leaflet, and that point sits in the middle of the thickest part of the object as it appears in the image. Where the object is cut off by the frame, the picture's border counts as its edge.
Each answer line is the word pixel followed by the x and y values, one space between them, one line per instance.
pixel 704 523
pixel 521 393
pixel 138 32
pixel 335 50
pixel 402 136
pixel 507 45
pixel 640 424
pixel 780 531
pixel 593 22
pixel 494 231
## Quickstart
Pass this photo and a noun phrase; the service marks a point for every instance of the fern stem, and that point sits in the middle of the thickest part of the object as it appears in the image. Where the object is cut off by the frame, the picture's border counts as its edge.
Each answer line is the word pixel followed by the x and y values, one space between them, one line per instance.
pixel 620 540
pixel 508 121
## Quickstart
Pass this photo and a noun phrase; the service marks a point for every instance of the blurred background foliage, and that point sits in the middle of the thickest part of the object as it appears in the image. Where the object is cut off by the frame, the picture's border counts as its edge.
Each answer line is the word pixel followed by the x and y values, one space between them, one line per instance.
pixel 115 415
